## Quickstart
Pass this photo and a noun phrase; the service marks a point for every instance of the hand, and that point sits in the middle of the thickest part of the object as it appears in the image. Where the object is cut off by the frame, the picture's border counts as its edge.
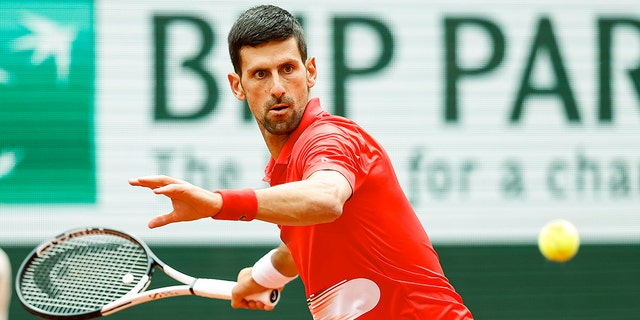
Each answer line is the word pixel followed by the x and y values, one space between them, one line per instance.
pixel 189 202
pixel 247 286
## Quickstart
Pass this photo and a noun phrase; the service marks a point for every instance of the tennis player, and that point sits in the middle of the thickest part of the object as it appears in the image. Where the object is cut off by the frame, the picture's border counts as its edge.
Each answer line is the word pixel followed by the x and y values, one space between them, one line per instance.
pixel 348 230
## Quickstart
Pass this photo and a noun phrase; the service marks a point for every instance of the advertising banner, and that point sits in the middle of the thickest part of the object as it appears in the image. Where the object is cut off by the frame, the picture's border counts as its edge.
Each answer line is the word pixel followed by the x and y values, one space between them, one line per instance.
pixel 498 116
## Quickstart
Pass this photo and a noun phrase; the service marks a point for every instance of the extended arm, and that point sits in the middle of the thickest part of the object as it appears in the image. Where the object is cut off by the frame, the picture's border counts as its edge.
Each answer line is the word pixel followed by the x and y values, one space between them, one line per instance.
pixel 318 199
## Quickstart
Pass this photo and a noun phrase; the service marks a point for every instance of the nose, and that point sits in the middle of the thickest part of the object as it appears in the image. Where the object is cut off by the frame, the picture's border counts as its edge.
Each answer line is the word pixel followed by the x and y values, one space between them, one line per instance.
pixel 277 89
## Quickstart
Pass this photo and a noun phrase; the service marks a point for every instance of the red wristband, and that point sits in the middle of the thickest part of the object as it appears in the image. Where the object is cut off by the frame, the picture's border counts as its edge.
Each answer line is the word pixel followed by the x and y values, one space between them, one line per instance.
pixel 241 204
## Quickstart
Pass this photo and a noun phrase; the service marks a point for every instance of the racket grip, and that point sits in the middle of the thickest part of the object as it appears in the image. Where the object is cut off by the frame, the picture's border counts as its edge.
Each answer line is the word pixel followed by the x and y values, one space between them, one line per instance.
pixel 221 289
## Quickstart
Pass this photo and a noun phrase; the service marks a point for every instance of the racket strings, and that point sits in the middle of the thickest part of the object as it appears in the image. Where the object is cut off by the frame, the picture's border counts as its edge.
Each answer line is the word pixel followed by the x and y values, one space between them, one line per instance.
pixel 83 274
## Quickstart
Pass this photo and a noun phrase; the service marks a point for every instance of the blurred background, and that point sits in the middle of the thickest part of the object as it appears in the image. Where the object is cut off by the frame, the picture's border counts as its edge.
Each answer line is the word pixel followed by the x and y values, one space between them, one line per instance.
pixel 499 116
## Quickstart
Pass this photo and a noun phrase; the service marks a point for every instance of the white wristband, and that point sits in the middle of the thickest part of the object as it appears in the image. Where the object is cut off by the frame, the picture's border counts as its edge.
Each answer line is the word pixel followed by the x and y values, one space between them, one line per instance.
pixel 266 275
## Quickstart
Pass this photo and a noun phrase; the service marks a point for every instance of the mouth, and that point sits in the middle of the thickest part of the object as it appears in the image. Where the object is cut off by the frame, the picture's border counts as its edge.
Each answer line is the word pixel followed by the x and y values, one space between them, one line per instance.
pixel 279 108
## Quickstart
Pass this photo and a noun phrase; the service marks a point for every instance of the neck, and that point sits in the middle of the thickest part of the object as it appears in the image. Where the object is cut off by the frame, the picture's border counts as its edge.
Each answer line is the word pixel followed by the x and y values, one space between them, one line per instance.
pixel 275 143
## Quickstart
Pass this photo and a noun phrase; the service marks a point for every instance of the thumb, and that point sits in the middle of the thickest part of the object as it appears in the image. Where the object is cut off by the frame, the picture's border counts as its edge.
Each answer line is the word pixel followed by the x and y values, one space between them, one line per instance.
pixel 161 220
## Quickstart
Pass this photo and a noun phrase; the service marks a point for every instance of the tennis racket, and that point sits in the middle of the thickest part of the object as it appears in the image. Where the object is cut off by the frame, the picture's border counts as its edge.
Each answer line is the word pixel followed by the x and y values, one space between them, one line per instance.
pixel 93 272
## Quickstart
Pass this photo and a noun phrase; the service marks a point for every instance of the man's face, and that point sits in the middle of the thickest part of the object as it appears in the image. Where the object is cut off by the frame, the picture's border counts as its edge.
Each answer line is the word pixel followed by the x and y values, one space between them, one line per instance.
pixel 276 83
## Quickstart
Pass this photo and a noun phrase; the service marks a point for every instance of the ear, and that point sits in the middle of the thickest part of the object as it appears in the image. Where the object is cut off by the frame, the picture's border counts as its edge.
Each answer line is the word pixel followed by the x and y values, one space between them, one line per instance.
pixel 236 86
pixel 312 72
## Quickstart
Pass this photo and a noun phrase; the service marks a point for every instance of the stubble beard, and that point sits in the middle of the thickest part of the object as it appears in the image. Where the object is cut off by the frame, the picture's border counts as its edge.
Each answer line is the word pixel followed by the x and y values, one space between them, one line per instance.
pixel 285 126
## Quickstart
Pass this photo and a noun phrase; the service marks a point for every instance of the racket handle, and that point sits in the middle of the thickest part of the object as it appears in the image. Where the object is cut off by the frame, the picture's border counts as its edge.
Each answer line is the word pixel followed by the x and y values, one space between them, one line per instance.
pixel 221 289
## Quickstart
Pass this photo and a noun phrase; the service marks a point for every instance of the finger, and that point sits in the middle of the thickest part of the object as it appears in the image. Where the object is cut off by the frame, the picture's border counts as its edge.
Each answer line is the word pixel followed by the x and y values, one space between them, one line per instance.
pixel 267 307
pixel 239 304
pixel 260 305
pixel 153 181
pixel 169 189
pixel 147 182
pixel 161 220
pixel 135 182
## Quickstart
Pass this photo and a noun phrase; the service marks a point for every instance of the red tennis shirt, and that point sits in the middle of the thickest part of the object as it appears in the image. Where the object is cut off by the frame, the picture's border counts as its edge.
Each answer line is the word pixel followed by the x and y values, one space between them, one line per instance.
pixel 375 261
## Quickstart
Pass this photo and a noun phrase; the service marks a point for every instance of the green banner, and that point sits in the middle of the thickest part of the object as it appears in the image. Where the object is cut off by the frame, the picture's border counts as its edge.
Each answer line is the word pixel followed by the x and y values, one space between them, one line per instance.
pixel 47 80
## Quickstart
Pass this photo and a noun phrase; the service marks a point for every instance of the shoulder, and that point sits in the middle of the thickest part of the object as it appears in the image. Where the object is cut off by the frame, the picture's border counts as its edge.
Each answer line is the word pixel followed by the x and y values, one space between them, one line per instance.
pixel 333 125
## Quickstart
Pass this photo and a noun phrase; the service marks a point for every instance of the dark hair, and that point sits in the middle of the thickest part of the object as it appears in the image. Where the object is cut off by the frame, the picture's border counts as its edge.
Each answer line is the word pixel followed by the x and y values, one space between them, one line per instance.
pixel 262 24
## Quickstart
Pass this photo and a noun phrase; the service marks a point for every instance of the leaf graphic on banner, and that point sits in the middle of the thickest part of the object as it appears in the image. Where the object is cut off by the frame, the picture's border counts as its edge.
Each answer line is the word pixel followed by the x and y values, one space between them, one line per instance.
pixel 9 160
pixel 48 39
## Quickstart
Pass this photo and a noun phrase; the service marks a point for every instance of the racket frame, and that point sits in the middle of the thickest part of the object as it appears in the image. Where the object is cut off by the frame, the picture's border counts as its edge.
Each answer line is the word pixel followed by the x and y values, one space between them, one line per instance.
pixel 209 288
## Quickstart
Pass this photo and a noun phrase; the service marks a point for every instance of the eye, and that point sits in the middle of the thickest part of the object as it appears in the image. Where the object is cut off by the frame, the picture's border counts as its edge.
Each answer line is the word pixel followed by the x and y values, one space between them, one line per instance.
pixel 260 74
pixel 288 68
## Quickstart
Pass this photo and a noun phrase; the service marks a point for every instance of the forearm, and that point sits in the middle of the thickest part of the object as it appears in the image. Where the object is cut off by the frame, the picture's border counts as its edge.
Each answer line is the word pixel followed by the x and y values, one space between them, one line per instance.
pixel 319 199
pixel 298 203
pixel 283 262
pixel 275 269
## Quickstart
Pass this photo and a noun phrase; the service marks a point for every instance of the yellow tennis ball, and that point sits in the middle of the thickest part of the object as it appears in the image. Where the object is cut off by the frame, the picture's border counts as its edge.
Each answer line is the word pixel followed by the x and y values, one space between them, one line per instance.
pixel 559 241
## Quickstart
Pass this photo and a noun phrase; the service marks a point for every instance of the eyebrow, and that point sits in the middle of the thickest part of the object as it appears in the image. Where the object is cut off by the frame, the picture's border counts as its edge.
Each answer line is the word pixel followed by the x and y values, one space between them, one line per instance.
pixel 295 62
